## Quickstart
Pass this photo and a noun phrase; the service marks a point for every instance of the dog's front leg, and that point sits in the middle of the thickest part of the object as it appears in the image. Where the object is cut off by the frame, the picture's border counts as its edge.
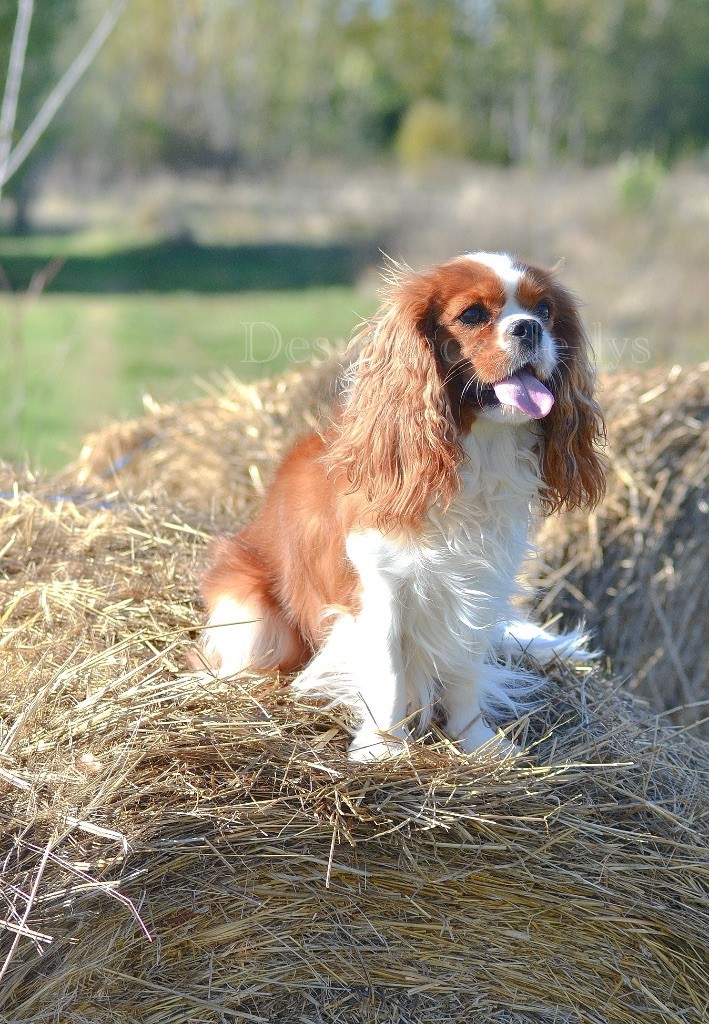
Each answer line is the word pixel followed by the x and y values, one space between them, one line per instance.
pixel 465 723
pixel 361 663
pixel 377 658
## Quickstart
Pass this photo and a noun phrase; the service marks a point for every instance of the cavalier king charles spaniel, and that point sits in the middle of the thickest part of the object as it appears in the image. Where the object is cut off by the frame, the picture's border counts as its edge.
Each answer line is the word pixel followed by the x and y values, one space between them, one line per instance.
pixel 383 564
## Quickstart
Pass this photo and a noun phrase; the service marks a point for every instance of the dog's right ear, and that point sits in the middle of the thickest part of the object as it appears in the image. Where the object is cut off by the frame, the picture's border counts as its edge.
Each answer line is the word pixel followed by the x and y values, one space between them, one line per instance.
pixel 397 440
pixel 573 467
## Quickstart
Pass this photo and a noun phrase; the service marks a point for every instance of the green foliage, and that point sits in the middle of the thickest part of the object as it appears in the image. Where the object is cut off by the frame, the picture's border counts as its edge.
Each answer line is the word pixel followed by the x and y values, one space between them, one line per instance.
pixel 253 84
pixel 640 179
pixel 49 24
pixel 429 132
pixel 645 78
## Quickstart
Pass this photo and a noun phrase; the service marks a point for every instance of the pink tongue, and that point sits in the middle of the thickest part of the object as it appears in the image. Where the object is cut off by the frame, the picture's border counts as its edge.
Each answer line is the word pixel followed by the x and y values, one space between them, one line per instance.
pixel 525 392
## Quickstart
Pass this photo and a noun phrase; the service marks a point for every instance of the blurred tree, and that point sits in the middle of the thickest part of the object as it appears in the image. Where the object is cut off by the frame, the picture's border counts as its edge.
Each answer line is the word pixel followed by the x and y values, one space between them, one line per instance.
pixel 234 83
pixel 646 85
pixel 49 20
pixel 431 131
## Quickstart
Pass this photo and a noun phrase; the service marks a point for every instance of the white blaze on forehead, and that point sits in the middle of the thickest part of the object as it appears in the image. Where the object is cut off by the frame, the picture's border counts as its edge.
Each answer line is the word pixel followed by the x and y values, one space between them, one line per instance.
pixel 510 274
pixel 505 268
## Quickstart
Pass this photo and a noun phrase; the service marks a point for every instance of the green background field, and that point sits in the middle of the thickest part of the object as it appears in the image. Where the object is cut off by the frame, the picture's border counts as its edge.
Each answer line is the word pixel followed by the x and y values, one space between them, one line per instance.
pixel 86 360
pixel 248 287
pixel 118 317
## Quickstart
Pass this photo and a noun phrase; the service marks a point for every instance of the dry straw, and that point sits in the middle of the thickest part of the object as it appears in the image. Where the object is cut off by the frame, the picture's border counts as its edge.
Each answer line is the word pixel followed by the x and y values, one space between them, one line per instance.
pixel 637 569
pixel 176 848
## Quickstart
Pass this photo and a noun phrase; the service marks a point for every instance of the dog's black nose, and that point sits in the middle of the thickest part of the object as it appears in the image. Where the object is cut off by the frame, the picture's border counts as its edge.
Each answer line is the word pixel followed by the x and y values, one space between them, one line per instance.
pixel 527 332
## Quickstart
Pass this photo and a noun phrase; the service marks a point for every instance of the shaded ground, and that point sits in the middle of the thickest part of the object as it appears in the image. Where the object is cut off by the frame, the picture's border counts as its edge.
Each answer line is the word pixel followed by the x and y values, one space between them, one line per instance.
pixel 187 265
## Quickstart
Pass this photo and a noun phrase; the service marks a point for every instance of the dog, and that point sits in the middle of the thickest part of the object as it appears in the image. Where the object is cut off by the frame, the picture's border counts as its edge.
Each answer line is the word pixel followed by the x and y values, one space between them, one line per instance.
pixel 383 566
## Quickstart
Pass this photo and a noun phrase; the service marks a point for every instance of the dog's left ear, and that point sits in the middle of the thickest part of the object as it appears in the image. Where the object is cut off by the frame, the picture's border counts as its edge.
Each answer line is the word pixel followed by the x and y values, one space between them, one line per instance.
pixel 573 468
pixel 397 441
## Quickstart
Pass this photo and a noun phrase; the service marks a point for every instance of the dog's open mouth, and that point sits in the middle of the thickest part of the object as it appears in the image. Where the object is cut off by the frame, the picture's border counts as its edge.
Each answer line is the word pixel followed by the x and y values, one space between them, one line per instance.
pixel 525 392
pixel 521 390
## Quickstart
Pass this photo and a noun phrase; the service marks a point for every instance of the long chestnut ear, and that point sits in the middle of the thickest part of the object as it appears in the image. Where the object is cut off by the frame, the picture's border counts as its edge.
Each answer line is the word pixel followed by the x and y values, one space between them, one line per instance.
pixel 574 432
pixel 397 441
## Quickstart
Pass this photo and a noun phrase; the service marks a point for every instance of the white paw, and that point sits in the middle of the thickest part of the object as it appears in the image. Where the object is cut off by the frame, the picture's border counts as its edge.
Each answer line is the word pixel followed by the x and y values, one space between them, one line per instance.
pixel 479 737
pixel 230 638
pixel 369 745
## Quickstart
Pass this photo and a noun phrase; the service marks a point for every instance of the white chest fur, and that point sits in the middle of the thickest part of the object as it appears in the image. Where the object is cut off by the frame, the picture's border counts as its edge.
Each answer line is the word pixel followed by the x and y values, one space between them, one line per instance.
pixel 434 606
pixel 460 572
pixel 450 589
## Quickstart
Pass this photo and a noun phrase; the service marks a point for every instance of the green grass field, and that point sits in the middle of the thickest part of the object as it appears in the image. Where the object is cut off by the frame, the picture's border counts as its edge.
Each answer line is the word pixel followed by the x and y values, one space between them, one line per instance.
pixel 123 313
pixel 70 363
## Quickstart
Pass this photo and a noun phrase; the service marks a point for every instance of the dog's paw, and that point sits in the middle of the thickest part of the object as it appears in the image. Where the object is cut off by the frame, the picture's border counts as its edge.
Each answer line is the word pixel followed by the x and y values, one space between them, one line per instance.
pixel 370 745
pixel 480 739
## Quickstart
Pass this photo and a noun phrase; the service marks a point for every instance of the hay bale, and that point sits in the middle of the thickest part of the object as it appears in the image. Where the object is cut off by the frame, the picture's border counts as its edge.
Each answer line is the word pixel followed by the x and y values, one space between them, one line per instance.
pixel 215 453
pixel 188 849
pixel 636 569
pixel 178 848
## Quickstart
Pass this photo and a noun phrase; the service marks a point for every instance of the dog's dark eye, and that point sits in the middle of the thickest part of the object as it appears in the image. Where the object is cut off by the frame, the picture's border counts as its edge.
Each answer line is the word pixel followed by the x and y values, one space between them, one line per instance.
pixel 543 310
pixel 474 315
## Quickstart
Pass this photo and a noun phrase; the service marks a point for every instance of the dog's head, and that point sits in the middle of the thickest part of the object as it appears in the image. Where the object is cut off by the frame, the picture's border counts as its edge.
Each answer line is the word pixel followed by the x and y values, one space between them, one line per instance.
pixel 483 336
